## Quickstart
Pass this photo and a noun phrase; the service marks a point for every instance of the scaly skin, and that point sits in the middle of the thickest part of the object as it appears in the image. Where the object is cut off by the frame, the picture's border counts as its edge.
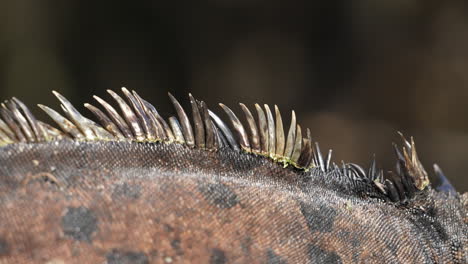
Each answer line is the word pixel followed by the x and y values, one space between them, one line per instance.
pixel 122 202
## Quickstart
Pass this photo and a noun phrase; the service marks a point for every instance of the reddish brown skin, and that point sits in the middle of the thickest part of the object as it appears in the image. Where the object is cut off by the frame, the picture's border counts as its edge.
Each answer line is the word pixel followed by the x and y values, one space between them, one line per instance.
pixel 167 203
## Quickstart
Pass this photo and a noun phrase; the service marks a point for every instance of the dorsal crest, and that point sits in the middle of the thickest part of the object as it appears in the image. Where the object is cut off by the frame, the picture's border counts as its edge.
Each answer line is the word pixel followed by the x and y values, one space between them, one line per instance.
pixel 259 133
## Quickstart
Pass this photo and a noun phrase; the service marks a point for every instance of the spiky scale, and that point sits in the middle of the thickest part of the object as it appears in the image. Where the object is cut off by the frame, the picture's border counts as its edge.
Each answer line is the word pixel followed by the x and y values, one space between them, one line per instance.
pixel 129 115
pixel 288 152
pixel 8 118
pixel 254 135
pixel 197 123
pixel 105 121
pixel 225 130
pixel 21 120
pixel 4 127
pixel 152 110
pixel 271 130
pixel 38 132
pixel 372 174
pixel 263 128
pixel 145 121
pixel 238 127
pixel 210 129
pixel 82 123
pixel 320 161
pixel 306 154
pixel 177 130
pixel 184 121
pixel 444 184
pixel 63 123
pixel 4 139
pixel 358 170
pixel 297 145
pixel 328 159
pixel 118 120
pixel 279 133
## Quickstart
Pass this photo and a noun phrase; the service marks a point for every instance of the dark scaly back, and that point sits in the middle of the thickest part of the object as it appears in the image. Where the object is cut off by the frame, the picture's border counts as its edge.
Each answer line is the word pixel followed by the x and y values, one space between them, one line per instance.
pixel 138 154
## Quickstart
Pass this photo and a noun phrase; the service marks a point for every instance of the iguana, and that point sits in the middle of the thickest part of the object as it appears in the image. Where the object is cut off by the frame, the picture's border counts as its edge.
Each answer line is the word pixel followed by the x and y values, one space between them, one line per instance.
pixel 134 187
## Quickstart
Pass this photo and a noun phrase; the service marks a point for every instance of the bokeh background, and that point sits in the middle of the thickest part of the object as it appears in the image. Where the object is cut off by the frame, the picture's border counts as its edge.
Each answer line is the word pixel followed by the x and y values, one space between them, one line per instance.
pixel 354 71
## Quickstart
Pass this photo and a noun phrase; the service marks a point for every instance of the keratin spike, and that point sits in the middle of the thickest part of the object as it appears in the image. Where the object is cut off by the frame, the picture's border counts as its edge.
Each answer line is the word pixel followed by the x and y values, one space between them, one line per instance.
pixel 198 123
pixel 186 127
pixel 118 120
pixel 271 131
pixel 255 137
pixel 288 152
pixel 238 127
pixel 63 123
pixel 263 128
pixel 279 133
pixel 297 145
pixel 145 121
pixel 129 115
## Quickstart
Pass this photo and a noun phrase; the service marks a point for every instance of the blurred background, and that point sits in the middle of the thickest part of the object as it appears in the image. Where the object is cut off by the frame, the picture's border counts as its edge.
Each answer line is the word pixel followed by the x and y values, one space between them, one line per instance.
pixel 355 72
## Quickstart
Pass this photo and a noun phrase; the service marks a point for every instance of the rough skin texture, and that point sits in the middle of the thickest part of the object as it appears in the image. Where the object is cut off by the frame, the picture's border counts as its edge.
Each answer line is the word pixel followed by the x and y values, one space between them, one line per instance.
pixel 108 202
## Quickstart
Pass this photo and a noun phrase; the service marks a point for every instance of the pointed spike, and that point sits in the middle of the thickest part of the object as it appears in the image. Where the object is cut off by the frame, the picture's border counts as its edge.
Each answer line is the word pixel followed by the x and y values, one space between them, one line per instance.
pixel 271 131
pixel 198 123
pixel 118 120
pixel 9 120
pixel 288 152
pixel 130 117
pixel 184 120
pixel 255 137
pixel 51 132
pixel 391 191
pixel 6 129
pixel 105 121
pixel 380 184
pixel 444 184
pixel 238 127
pixel 397 182
pixel 4 139
pixel 167 130
pixel 314 161
pixel 145 121
pixel 66 125
pixel 373 169
pixel 335 167
pixel 320 162
pixel 415 168
pixel 81 122
pixel 220 140
pixel 279 133
pixel 327 163
pixel 225 130
pixel 409 189
pixel 38 132
pixel 210 132
pixel 359 171
pixel 21 121
pixel 102 134
pixel 398 153
pixel 159 129
pixel 306 154
pixel 407 144
pixel 381 176
pixel 176 129
pixel 297 145
pixel 263 128
pixel 155 127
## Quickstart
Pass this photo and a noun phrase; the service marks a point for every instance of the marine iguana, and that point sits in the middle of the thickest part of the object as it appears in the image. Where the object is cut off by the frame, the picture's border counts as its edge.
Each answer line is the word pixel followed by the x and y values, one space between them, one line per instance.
pixel 137 188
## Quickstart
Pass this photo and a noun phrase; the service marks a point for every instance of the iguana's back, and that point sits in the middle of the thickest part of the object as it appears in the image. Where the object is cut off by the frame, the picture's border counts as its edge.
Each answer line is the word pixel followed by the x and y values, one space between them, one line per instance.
pixel 123 201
